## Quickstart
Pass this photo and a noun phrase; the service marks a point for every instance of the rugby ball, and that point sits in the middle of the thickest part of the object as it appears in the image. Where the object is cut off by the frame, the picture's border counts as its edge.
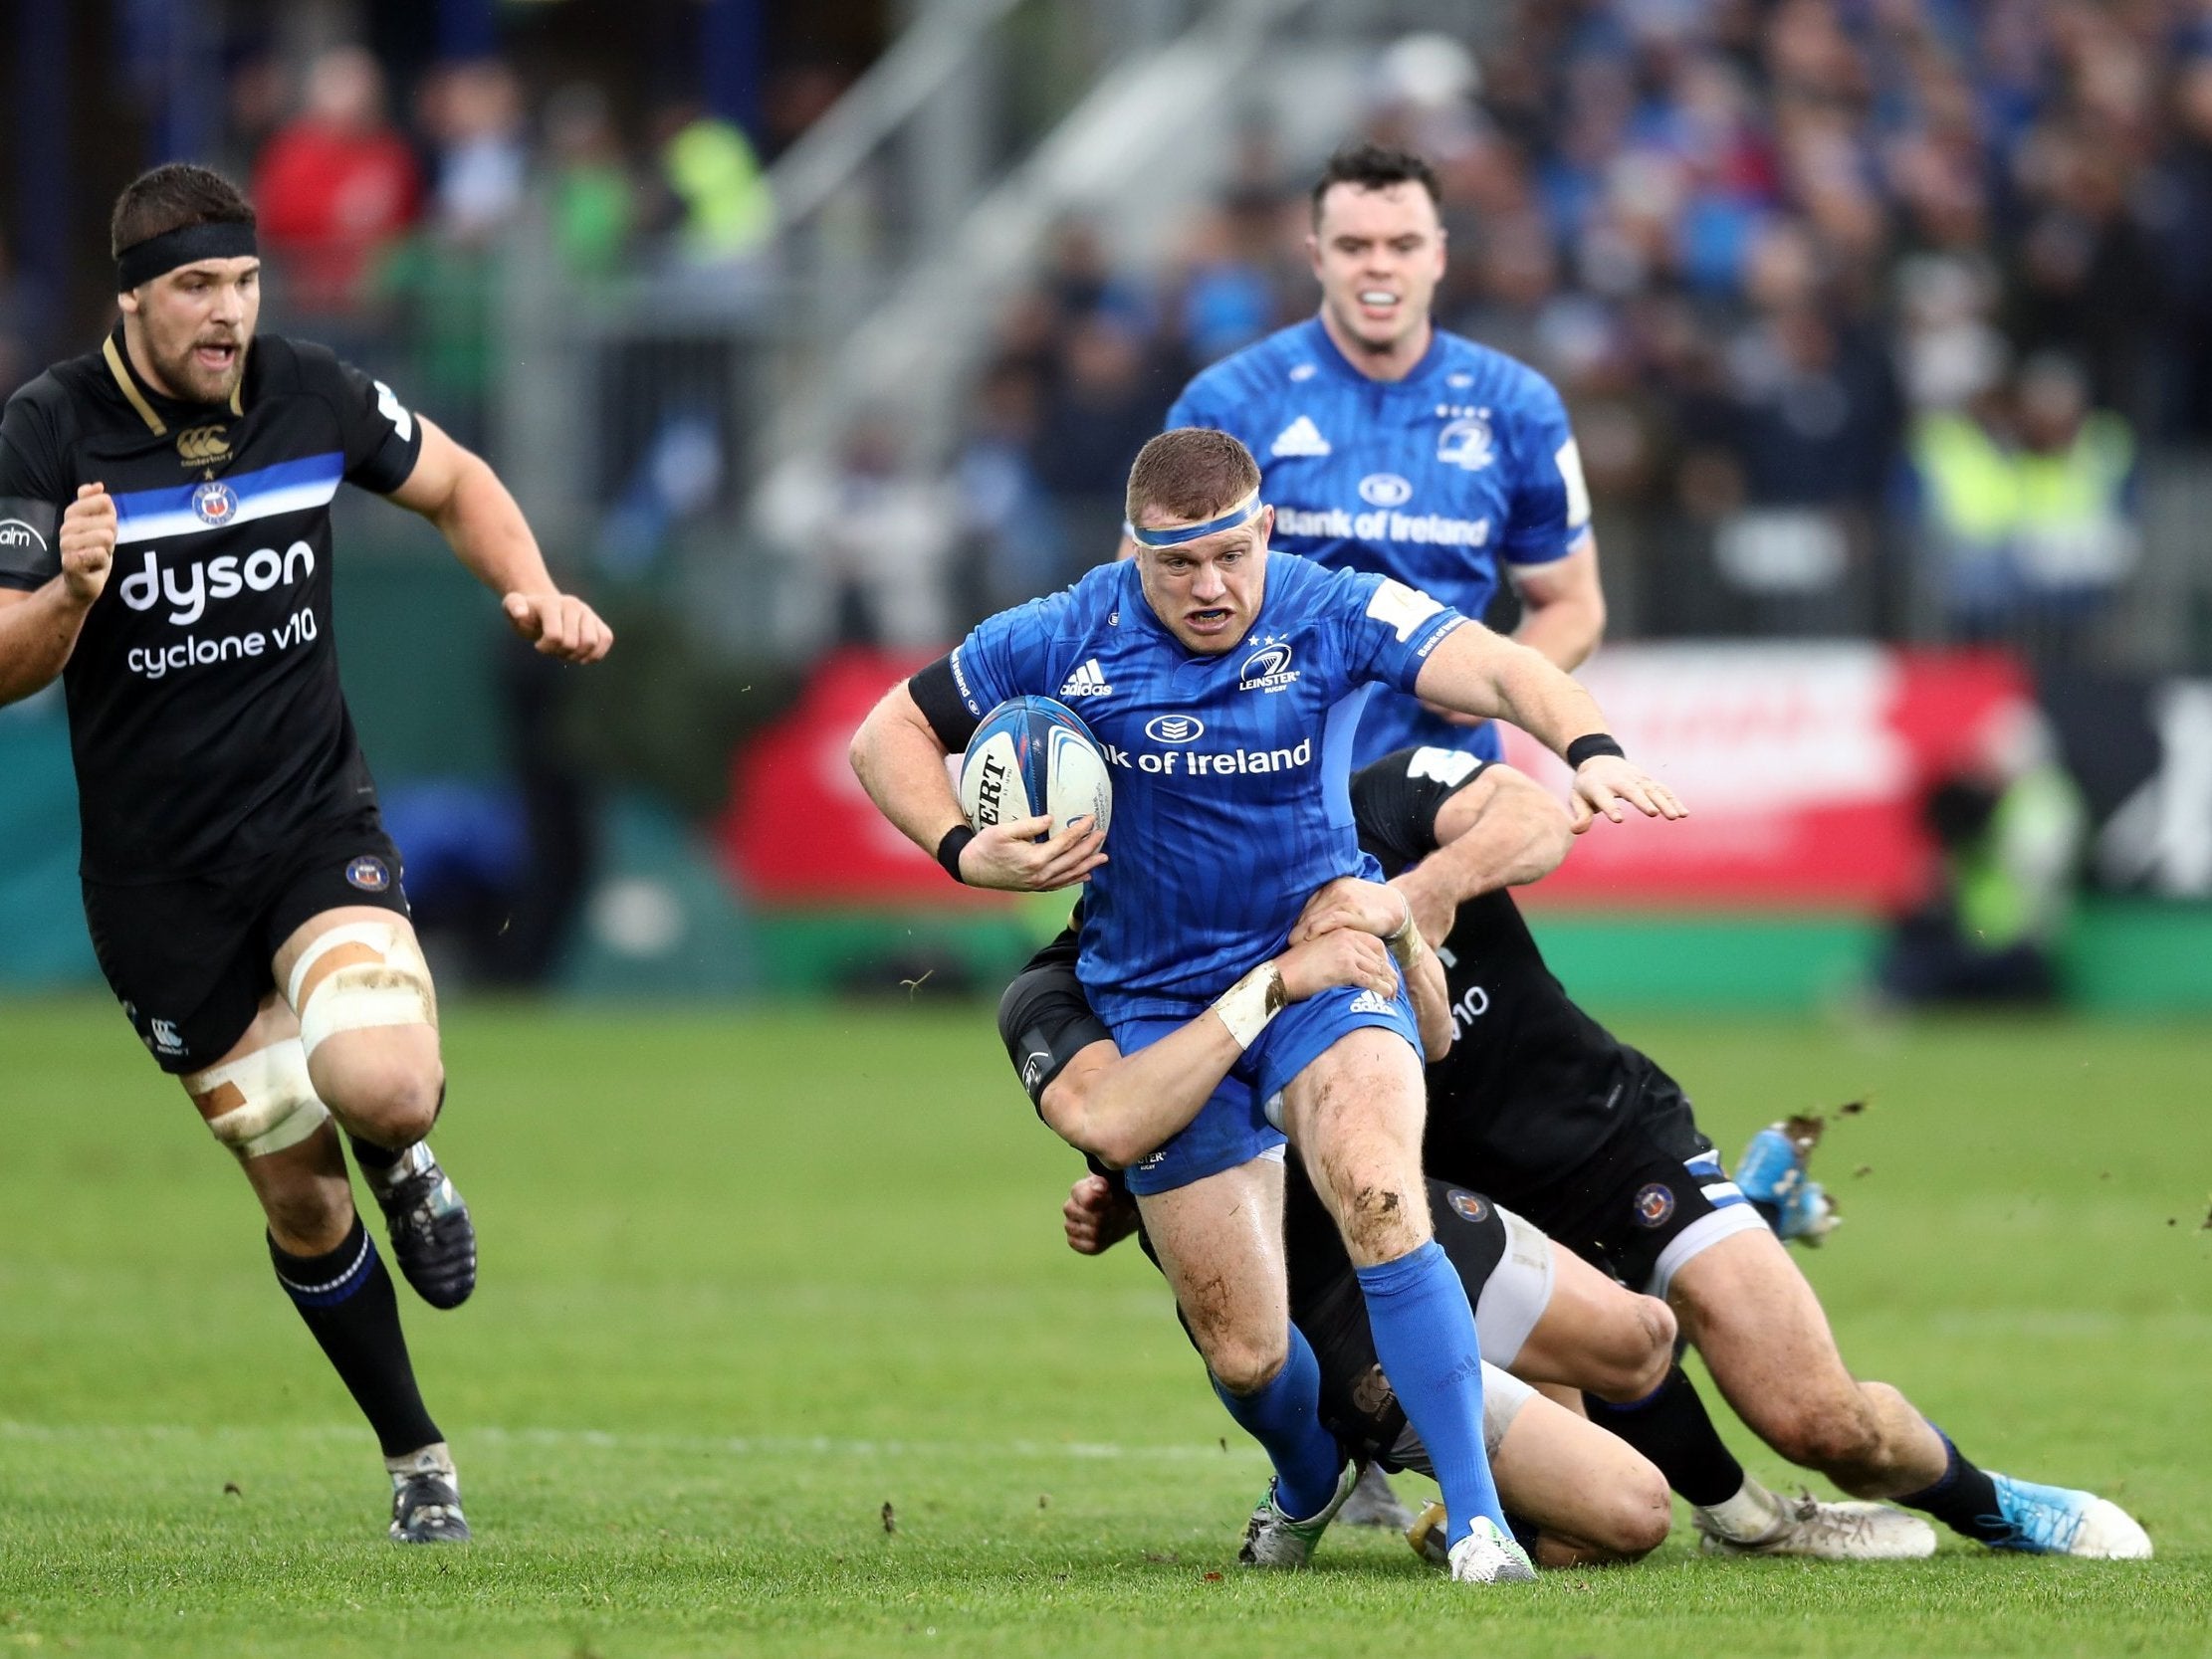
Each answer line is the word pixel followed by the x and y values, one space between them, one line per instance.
pixel 1031 757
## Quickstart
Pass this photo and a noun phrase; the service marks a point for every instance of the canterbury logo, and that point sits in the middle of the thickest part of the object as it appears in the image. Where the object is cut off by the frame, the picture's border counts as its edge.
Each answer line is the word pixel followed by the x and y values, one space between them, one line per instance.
pixel 199 445
pixel 1088 681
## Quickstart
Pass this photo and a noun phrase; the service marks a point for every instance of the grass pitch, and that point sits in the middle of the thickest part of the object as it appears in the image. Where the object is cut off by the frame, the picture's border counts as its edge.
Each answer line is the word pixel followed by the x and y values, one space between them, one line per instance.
pixel 777 1350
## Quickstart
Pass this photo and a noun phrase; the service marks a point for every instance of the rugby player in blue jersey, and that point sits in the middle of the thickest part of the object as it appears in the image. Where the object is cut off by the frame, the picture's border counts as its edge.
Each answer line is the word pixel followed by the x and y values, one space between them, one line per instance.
pixel 1225 686
pixel 1393 447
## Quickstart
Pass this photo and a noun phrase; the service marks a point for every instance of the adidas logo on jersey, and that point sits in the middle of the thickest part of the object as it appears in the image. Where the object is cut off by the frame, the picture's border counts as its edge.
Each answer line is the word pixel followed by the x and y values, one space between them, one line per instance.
pixel 1300 437
pixel 1366 1002
pixel 1088 681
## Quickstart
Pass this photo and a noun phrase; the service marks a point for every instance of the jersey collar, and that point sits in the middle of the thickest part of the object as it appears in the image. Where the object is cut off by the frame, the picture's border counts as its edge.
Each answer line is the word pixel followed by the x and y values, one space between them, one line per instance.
pixel 1333 361
pixel 150 404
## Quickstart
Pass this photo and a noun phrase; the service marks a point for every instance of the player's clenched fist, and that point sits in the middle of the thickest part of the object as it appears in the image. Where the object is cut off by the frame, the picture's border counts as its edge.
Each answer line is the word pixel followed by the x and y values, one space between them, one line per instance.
pixel 87 542
pixel 1009 857
pixel 1603 782
pixel 560 625
pixel 1095 1216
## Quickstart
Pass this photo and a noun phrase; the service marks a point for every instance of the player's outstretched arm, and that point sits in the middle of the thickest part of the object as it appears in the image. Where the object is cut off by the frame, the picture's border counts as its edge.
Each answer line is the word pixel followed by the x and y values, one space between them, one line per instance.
pixel 460 494
pixel 1120 1108
pixel 1502 830
pixel 1477 671
pixel 39 627
pixel 900 761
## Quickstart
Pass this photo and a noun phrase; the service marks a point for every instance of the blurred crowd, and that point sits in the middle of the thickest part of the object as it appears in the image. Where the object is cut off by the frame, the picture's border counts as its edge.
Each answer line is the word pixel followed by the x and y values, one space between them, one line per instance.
pixel 383 211
pixel 1865 308
pixel 1868 311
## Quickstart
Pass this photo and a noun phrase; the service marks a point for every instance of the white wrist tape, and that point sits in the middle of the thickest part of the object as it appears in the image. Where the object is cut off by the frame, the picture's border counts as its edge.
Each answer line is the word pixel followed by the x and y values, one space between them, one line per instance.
pixel 1246 1006
pixel 1406 945
pixel 260 1103
pixel 382 981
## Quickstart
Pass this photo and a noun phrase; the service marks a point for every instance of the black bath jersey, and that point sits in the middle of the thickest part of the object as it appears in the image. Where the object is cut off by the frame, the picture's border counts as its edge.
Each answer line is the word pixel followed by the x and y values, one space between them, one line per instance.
pixel 1532 1087
pixel 204 706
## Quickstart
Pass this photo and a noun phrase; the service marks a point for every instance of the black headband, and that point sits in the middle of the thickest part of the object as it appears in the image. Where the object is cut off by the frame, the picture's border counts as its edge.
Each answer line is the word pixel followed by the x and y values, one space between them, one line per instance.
pixel 142 261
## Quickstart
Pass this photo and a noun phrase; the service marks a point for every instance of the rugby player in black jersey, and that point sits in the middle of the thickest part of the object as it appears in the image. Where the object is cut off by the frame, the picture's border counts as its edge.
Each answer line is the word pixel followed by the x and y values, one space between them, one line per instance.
pixel 1599 1147
pixel 1545 1110
pixel 165 549
pixel 1574 1492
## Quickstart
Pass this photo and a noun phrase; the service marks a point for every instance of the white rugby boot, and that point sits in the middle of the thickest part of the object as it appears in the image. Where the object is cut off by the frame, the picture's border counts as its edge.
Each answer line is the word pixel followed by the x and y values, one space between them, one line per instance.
pixel 1757 1522
pixel 1273 1539
pixel 1490 1556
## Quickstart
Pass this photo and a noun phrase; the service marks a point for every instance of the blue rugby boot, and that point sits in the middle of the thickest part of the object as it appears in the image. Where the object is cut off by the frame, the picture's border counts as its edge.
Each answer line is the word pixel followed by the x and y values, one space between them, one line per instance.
pixel 2058 1521
pixel 1771 1173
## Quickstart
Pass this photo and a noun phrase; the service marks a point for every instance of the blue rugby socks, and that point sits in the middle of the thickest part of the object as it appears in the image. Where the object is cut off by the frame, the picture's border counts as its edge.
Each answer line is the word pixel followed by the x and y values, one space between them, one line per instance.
pixel 347 1301
pixel 1285 1416
pixel 1425 1336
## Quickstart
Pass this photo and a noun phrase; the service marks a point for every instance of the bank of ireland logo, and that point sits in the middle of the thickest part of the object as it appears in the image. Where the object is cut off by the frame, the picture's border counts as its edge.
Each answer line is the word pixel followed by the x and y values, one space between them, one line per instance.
pixel 1653 1204
pixel 1267 669
pixel 1385 489
pixel 1174 728
pixel 1467 443
pixel 215 502
pixel 369 872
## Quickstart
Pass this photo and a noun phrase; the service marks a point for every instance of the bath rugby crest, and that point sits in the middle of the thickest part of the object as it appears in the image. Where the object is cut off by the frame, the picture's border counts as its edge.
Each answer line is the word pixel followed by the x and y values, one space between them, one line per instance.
pixel 203 694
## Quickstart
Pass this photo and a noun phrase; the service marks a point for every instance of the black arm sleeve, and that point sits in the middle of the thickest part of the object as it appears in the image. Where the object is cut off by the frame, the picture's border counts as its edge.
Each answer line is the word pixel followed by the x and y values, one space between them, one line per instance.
pixel 1397 799
pixel 1045 1020
pixel 34 490
pixel 937 695
pixel 381 437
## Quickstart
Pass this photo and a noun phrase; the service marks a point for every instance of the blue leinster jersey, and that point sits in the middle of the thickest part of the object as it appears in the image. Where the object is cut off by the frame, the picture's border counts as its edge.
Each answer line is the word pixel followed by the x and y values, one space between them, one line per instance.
pixel 1433 479
pixel 1232 773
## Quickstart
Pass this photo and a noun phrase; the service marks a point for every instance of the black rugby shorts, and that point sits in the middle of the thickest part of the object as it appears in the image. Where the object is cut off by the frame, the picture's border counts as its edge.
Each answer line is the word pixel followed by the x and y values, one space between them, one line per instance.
pixel 1654 1194
pixel 191 960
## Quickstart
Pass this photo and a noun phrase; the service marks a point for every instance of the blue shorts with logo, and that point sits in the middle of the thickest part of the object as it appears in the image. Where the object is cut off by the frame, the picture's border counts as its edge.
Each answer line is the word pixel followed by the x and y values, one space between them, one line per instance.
pixel 1232 1128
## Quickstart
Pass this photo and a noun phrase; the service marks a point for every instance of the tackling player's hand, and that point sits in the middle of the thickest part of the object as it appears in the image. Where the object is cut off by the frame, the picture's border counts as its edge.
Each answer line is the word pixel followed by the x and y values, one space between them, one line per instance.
pixel 1373 908
pixel 1604 782
pixel 87 542
pixel 1434 908
pixel 1009 857
pixel 1344 956
pixel 1097 1218
pixel 560 625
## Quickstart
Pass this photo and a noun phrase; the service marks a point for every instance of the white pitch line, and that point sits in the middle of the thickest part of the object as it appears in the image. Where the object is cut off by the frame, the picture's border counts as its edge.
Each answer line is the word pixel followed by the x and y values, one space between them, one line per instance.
pixel 605 1440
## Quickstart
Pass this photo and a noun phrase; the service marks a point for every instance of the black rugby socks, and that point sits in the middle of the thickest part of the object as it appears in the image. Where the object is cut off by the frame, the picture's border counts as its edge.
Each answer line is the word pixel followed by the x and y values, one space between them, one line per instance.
pixel 1669 1427
pixel 347 1299
pixel 372 1159
pixel 1964 1500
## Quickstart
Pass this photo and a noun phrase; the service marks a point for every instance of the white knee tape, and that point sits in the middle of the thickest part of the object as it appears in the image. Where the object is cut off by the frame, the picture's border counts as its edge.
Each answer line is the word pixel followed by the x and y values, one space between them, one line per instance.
pixel 276 1106
pixel 394 989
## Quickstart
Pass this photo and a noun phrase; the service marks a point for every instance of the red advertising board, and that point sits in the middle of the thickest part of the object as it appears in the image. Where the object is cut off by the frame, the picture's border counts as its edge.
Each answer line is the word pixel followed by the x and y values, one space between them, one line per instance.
pixel 1803 764
pixel 801 830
